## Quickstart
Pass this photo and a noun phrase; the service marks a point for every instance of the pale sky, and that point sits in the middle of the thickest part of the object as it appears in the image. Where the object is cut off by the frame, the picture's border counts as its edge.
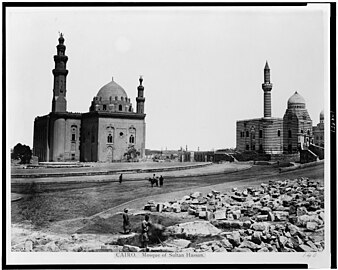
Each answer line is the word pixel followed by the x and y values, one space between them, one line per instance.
pixel 202 66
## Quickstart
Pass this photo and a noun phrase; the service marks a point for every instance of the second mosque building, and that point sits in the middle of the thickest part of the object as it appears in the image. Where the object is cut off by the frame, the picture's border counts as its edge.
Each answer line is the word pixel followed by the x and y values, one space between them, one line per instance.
pixel 272 135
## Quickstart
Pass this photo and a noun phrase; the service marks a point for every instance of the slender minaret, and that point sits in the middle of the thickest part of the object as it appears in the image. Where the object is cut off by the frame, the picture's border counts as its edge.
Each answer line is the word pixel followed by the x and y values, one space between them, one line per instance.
pixel 59 103
pixel 140 98
pixel 267 87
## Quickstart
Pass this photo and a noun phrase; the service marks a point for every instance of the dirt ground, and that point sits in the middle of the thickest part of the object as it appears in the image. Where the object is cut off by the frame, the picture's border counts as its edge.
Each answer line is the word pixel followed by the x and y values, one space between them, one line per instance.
pixel 73 210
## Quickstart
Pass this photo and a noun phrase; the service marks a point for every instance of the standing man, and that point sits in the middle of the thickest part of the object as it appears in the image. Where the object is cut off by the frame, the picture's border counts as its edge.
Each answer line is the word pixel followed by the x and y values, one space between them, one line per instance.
pixel 145 230
pixel 120 178
pixel 161 181
pixel 126 222
pixel 153 182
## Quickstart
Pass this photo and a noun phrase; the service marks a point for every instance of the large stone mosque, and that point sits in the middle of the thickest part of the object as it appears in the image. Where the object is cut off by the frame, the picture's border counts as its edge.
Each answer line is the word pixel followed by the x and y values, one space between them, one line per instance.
pixel 103 134
pixel 272 135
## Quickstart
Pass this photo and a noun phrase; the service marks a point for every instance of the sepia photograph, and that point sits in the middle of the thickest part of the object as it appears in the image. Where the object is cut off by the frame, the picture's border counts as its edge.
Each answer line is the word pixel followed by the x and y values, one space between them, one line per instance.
pixel 140 134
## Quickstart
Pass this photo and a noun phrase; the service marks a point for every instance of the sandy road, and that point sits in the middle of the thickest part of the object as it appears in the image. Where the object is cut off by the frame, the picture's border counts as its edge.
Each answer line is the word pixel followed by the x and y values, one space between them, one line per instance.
pixel 177 188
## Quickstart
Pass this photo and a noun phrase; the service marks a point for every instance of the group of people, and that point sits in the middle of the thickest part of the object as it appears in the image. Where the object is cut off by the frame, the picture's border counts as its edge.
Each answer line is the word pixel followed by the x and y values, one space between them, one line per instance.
pixel 145 225
pixel 155 180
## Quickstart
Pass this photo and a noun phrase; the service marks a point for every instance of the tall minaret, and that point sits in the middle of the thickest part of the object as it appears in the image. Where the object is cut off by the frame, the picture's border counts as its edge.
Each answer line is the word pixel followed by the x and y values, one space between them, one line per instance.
pixel 267 87
pixel 140 98
pixel 59 103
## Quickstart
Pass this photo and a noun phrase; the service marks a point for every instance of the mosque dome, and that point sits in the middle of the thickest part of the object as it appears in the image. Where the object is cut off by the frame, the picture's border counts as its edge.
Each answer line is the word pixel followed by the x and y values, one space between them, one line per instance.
pixel 111 98
pixel 296 98
pixel 321 115
pixel 296 101
pixel 112 90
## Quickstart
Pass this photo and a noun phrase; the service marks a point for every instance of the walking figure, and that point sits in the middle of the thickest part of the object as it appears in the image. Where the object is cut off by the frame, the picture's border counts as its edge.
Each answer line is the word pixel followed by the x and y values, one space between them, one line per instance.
pixel 126 222
pixel 161 181
pixel 120 178
pixel 145 230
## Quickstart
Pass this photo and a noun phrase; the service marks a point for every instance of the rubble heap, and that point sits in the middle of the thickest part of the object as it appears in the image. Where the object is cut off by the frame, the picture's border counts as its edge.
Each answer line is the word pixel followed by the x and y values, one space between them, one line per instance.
pixel 279 216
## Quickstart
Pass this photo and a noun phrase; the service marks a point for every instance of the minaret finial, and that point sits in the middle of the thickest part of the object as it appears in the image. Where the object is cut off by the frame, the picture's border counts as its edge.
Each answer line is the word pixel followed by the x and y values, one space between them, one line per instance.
pixel 141 79
pixel 61 38
pixel 266 65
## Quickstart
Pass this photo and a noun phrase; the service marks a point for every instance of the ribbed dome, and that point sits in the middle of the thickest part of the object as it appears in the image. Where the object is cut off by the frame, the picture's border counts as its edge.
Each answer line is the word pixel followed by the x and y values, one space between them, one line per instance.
pixel 113 90
pixel 296 99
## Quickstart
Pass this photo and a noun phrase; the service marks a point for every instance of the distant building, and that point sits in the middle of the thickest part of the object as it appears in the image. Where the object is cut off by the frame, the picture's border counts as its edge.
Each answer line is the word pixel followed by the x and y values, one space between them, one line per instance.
pixel 297 125
pixel 264 134
pixel 204 156
pixel 272 135
pixel 103 134
pixel 318 131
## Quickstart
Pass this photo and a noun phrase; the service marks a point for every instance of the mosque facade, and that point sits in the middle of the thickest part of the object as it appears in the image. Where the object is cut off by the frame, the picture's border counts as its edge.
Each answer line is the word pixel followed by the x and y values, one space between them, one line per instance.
pixel 272 135
pixel 104 134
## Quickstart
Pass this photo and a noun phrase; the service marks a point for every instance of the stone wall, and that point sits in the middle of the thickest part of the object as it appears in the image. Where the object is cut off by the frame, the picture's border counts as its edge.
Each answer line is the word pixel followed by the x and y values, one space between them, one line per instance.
pixel 123 129
pixel 40 138
pixel 89 139
pixel 261 134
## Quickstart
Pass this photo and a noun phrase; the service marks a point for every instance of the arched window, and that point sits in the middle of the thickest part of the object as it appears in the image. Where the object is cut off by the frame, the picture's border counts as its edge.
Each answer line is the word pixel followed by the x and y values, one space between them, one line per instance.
pixel 122 98
pixel 308 132
pixel 247 147
pixel 247 133
pixel 278 133
pixel 120 107
pixel 109 138
pixel 104 107
pixel 290 135
pixel 130 108
pixel 73 132
pixel 301 131
pixel 261 134
pixel 131 139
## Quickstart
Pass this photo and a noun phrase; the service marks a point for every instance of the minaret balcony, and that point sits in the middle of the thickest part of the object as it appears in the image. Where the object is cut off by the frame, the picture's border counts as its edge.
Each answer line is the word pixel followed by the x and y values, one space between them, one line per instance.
pixel 60 72
pixel 267 86
pixel 140 99
pixel 58 58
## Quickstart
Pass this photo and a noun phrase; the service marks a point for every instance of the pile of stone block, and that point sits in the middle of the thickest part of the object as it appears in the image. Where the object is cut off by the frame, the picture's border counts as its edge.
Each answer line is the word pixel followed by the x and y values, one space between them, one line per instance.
pixel 277 216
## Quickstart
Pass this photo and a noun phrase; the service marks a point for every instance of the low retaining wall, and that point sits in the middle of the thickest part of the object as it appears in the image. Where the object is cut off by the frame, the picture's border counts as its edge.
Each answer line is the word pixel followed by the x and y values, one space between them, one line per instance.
pixel 300 166
pixel 125 171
